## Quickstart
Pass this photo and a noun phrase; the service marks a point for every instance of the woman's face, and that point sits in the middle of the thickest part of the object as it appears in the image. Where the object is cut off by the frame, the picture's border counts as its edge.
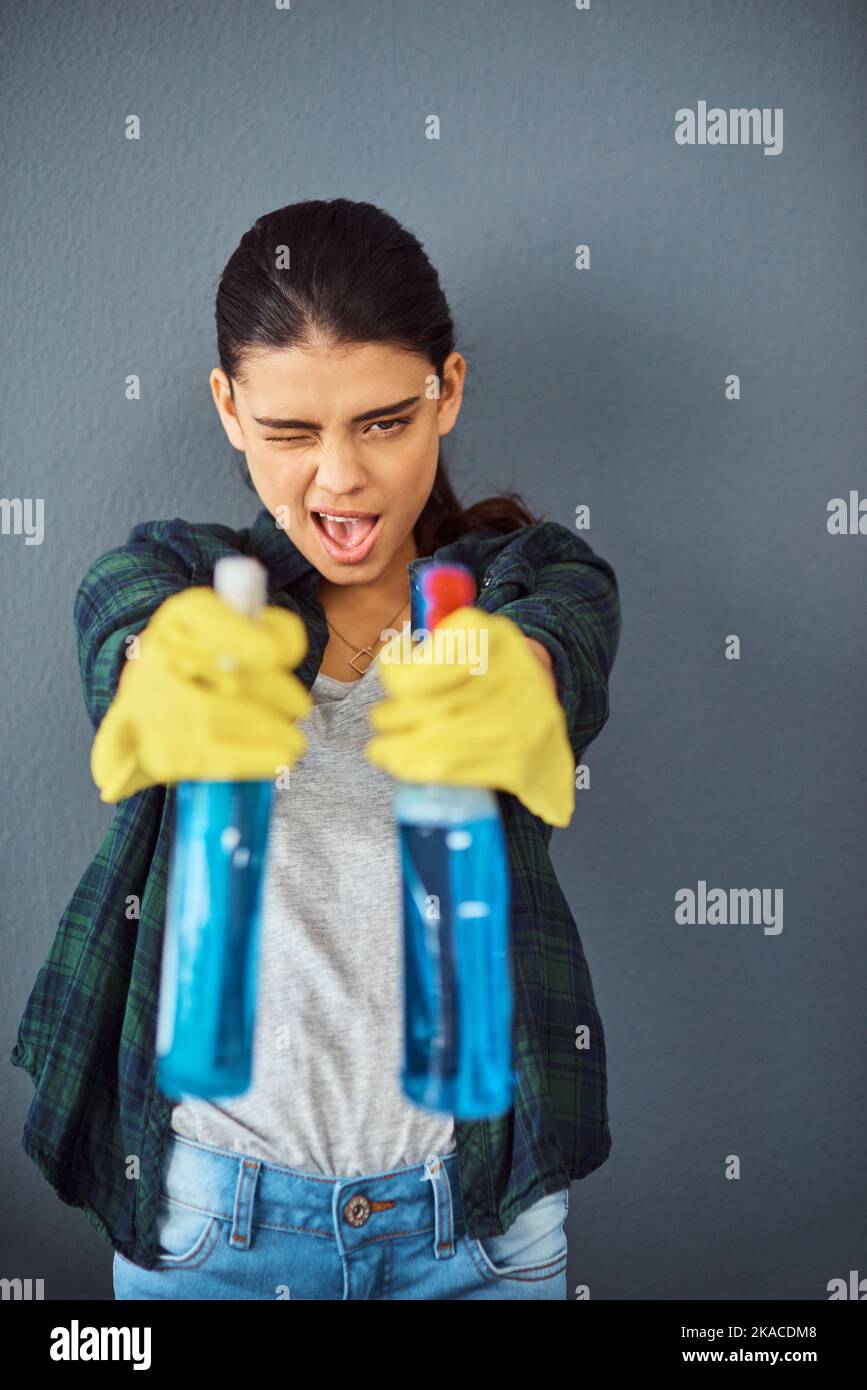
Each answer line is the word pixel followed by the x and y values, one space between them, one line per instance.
pixel 341 431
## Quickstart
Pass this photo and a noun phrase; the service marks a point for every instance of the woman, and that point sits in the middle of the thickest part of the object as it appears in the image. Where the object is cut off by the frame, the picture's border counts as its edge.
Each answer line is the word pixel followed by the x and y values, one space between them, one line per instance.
pixel 338 376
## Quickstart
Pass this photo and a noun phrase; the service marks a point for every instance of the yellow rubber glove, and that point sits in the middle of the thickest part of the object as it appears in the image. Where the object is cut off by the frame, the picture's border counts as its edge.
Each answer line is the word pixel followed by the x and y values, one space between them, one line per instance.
pixel 502 727
pixel 210 697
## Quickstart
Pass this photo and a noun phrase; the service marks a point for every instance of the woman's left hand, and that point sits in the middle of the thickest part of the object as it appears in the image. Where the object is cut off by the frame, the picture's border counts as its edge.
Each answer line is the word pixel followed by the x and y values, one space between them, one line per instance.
pixel 475 707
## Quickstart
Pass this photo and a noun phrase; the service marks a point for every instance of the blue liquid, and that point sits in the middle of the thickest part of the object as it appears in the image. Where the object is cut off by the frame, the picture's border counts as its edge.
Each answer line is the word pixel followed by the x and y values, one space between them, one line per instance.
pixel 211 947
pixel 457 976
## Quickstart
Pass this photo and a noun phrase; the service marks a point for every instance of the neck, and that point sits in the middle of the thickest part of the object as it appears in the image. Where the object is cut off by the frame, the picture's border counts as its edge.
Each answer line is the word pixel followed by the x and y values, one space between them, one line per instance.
pixel 376 600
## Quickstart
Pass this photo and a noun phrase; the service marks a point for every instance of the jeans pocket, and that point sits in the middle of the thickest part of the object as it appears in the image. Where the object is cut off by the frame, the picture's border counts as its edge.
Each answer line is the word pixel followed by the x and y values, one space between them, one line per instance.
pixel 185 1235
pixel 534 1246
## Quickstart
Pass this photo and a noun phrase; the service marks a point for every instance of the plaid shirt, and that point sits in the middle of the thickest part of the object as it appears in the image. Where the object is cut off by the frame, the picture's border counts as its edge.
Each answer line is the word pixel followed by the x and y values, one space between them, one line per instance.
pixel 98 1124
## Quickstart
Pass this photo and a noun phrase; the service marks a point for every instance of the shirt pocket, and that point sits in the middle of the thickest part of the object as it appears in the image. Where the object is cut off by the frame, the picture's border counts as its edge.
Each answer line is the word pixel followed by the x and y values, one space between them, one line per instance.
pixel 506 579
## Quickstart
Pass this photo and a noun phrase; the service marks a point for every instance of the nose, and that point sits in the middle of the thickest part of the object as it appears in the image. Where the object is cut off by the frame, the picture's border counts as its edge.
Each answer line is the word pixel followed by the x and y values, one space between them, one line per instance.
pixel 339 473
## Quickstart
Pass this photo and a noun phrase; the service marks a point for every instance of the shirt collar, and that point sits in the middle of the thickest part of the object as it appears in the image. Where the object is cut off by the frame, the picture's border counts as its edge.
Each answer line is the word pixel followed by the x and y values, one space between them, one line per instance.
pixel 285 563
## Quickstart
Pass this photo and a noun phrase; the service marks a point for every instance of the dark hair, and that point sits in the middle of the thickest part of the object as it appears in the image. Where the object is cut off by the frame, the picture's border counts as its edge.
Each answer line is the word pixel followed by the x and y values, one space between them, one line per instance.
pixel 357 276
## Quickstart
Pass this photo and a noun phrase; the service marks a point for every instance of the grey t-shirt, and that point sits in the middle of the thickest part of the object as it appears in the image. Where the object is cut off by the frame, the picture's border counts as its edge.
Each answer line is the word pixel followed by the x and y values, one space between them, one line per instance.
pixel 326 1094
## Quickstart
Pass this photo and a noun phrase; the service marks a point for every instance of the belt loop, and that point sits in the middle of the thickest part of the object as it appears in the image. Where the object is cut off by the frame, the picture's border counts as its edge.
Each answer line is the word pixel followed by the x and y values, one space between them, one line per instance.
pixel 241 1235
pixel 444 1223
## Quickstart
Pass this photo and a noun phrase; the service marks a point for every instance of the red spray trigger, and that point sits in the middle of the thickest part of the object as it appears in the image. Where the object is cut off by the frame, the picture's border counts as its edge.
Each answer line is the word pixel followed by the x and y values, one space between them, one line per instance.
pixel 444 588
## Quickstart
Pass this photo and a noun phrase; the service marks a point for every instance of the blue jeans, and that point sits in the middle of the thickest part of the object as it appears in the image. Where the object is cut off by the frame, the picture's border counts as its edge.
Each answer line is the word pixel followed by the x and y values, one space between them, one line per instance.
pixel 233 1226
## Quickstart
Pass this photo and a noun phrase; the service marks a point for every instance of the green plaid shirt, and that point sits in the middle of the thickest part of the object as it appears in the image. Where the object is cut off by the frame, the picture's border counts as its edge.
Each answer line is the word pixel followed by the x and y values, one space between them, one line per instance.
pixel 98 1123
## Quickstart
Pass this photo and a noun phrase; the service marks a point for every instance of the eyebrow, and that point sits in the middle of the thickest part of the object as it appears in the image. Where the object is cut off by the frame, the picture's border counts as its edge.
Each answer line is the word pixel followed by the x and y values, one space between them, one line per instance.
pixel 273 423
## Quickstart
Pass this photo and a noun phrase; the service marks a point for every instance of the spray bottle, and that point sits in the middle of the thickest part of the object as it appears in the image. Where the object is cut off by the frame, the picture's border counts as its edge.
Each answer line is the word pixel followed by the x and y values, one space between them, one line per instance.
pixel 454 862
pixel 210 959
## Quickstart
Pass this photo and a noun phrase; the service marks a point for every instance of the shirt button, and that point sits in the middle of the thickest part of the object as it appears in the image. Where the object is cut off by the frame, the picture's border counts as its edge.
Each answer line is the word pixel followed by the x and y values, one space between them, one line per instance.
pixel 486 581
pixel 357 1210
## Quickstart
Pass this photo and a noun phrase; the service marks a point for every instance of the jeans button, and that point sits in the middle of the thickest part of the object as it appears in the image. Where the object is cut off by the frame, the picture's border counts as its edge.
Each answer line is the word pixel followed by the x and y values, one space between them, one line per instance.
pixel 357 1210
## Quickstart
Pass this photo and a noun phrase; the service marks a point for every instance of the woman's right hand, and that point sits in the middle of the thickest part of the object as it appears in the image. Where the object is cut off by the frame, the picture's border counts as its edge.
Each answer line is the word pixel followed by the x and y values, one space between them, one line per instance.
pixel 209 697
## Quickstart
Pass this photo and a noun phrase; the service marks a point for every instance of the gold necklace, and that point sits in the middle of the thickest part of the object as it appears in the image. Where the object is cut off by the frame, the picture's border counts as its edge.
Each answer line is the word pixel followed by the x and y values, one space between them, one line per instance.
pixel 364 651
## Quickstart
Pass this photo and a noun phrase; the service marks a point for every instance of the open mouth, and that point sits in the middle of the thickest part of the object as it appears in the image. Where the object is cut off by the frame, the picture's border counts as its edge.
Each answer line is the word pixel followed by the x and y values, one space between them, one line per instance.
pixel 347 535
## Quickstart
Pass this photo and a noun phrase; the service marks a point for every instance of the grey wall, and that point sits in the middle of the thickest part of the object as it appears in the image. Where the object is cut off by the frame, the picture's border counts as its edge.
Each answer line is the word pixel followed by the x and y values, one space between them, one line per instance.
pixel 603 386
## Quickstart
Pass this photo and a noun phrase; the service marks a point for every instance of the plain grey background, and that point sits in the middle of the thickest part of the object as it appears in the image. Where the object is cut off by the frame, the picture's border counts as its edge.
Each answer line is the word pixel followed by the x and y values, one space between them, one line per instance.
pixel 603 387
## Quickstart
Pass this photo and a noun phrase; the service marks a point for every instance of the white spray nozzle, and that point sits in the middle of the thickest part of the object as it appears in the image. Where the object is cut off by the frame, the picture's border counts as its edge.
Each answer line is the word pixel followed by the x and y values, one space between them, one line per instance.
pixel 242 582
